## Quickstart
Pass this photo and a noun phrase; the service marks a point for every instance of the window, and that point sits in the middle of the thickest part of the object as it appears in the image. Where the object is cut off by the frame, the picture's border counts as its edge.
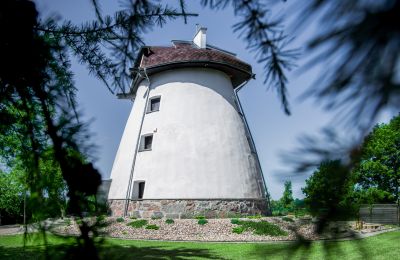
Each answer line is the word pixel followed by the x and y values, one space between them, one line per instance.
pixel 138 189
pixel 146 142
pixel 154 104
pixel 141 190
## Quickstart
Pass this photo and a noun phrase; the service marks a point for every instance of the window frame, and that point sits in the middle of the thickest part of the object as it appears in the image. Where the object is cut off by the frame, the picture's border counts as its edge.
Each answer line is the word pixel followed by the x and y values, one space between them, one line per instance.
pixel 149 110
pixel 142 144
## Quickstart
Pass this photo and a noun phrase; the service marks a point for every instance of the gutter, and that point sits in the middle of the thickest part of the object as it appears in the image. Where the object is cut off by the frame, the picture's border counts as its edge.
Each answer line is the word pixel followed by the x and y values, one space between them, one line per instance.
pixel 241 112
pixel 129 190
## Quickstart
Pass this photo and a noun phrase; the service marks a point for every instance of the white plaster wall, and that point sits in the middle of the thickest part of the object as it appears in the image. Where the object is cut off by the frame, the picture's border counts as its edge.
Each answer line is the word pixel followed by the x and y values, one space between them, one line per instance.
pixel 199 146
pixel 122 166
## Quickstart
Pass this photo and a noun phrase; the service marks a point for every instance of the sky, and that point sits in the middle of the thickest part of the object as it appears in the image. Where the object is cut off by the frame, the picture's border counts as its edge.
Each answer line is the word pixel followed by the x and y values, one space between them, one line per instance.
pixel 274 133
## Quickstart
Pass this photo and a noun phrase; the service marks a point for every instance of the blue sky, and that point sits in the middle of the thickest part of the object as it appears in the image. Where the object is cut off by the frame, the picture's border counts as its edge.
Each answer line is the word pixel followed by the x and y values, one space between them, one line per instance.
pixel 273 131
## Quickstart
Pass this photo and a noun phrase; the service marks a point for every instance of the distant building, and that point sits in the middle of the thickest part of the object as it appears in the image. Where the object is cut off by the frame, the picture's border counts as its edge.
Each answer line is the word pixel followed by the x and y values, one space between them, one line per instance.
pixel 186 149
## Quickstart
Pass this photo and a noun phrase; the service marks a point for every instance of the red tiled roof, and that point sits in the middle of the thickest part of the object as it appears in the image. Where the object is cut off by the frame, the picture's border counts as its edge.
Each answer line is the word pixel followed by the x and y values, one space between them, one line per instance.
pixel 186 52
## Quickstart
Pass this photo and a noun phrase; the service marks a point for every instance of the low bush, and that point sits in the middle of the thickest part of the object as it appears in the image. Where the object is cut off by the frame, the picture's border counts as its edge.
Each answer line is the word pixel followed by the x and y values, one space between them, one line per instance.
pixel 138 223
pixel 133 217
pixel 68 222
pixel 202 221
pixel 100 218
pixel 156 217
pixel 263 228
pixel 152 226
pixel 238 230
pixel 120 219
pixel 200 217
pixel 254 217
pixel 169 221
pixel 288 219
pixel 258 227
pixel 235 221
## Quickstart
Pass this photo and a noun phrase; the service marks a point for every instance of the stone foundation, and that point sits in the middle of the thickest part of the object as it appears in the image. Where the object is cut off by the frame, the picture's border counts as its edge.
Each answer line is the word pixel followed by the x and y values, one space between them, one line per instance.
pixel 189 208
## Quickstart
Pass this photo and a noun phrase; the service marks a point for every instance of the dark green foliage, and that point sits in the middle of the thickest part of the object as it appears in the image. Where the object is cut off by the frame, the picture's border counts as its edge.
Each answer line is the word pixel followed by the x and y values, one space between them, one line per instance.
pixel 287 198
pixel 235 221
pixel 263 228
pixel 11 196
pixel 287 219
pixel 169 221
pixel 120 220
pixel 152 226
pixel 377 171
pixel 156 217
pixel 259 228
pixel 202 221
pixel 328 191
pixel 238 230
pixel 254 217
pixel 200 217
pixel 138 223
pixel 101 218
pixel 286 204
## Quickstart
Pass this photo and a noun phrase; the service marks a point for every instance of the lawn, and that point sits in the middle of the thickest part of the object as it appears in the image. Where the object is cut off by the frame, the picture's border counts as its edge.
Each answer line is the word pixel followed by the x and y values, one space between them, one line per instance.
pixel 384 246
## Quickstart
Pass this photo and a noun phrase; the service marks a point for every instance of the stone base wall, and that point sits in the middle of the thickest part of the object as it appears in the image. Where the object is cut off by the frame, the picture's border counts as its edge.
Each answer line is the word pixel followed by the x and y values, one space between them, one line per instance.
pixel 189 208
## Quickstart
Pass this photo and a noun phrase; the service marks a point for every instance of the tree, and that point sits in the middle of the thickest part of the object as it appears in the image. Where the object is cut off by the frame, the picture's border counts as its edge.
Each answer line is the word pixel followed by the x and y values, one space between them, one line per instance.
pixel 287 197
pixel 377 171
pixel 11 195
pixel 329 191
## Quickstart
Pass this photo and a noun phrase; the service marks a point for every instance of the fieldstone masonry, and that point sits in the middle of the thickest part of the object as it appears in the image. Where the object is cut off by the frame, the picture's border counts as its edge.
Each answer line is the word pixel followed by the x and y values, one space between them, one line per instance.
pixel 173 208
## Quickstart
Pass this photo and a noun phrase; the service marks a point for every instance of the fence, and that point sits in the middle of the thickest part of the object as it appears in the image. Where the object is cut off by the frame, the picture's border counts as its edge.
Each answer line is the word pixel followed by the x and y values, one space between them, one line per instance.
pixel 380 213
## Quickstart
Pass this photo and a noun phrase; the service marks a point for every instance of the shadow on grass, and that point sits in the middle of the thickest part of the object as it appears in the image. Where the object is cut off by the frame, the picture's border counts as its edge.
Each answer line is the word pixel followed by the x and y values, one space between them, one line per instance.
pixel 107 252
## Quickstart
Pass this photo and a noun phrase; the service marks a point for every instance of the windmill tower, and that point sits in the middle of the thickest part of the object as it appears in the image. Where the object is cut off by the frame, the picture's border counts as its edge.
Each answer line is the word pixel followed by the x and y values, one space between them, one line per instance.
pixel 186 148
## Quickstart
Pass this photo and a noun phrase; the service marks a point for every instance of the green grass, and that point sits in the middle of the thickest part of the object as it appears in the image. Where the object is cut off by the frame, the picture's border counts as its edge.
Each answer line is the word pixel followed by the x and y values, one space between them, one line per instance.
pixel 384 246
pixel 138 223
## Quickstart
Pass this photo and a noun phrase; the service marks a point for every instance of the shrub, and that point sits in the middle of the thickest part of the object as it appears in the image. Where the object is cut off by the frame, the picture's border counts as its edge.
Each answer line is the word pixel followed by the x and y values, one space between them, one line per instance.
pixel 138 223
pixel 169 221
pixel 133 217
pixel 152 226
pixel 120 219
pixel 200 217
pixel 124 233
pixel 254 217
pixel 100 218
pixel 235 221
pixel 238 230
pixel 156 217
pixel 263 228
pixel 68 222
pixel 287 219
pixel 202 221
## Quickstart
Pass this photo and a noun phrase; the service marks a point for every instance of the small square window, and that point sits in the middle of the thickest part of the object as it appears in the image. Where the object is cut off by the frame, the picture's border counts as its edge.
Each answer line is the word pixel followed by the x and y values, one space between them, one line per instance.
pixel 141 190
pixel 146 142
pixel 154 104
